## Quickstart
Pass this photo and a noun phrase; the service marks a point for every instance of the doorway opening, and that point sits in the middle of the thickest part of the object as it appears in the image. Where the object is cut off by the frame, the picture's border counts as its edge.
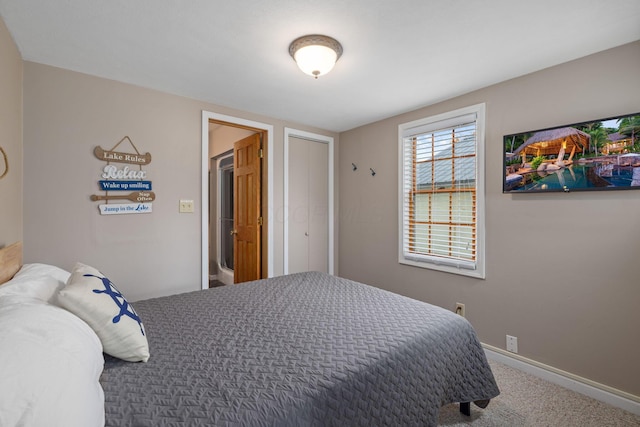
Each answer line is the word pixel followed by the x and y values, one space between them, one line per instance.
pixel 219 230
pixel 223 270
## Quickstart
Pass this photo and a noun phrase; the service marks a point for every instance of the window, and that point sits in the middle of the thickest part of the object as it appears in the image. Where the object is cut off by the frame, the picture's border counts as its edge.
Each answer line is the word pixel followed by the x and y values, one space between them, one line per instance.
pixel 442 192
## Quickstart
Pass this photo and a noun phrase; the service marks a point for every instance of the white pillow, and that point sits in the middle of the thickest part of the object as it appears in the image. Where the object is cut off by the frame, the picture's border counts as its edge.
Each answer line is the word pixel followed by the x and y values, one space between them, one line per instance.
pixel 50 365
pixel 40 281
pixel 93 298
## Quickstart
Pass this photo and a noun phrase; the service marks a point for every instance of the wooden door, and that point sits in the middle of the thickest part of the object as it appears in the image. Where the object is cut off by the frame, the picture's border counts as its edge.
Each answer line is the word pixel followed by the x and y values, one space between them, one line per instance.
pixel 247 194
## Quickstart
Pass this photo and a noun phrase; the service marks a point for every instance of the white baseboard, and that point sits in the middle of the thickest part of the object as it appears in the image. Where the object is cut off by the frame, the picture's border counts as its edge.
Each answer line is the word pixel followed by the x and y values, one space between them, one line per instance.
pixel 601 392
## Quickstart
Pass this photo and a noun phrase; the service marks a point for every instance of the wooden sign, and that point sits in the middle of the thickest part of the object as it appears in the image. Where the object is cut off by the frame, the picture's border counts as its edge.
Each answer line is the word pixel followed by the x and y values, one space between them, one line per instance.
pixel 118 179
pixel 115 156
pixel 116 185
pixel 113 172
pixel 136 196
pixel 126 208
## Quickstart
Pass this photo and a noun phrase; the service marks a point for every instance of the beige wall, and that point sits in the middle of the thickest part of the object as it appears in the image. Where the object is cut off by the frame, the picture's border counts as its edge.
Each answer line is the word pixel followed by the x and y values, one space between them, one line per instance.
pixel 221 138
pixel 10 138
pixel 67 114
pixel 563 270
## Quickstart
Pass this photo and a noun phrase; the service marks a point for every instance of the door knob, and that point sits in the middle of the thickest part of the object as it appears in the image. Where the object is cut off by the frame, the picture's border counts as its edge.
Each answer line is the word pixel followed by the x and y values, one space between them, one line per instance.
pixel 233 232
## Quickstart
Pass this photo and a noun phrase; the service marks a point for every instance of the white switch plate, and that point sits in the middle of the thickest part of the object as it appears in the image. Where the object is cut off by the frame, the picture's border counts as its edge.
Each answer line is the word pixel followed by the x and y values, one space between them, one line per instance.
pixel 186 206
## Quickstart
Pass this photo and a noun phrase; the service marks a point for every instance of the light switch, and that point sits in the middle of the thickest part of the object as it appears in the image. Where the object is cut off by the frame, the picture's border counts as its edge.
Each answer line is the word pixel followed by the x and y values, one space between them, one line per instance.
pixel 186 206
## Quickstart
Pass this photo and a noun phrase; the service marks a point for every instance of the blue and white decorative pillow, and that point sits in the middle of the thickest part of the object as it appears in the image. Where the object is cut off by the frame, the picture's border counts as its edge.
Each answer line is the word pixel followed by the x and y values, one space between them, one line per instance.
pixel 94 298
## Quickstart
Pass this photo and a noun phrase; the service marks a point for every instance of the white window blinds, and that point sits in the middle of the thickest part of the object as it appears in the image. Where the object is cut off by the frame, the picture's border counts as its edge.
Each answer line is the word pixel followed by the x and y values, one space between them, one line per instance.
pixel 439 191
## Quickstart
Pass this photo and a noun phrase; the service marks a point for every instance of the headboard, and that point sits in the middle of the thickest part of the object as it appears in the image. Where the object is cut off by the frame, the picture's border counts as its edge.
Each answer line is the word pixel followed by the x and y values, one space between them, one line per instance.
pixel 10 261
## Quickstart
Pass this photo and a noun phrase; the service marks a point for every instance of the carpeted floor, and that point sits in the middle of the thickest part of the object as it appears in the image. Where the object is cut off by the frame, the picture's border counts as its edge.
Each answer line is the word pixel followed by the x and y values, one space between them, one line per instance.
pixel 526 400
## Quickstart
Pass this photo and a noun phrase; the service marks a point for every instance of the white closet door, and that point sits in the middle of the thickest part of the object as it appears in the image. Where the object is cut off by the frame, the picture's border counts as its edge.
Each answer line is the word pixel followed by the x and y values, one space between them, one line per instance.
pixel 318 222
pixel 298 205
pixel 308 240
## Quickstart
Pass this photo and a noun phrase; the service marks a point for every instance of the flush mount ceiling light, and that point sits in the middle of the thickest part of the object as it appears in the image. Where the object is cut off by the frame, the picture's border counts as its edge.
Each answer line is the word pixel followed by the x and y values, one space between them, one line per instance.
pixel 315 54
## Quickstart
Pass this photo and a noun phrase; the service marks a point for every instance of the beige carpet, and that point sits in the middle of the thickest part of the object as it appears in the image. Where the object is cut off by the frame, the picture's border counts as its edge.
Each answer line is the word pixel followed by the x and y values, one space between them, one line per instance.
pixel 526 400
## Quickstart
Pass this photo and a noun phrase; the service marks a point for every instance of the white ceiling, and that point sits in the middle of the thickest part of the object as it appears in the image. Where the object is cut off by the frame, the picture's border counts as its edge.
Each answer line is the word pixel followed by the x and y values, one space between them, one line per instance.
pixel 398 55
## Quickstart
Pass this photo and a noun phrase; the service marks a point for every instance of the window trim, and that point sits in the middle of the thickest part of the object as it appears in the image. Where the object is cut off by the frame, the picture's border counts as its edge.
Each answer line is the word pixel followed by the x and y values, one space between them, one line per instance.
pixel 423 125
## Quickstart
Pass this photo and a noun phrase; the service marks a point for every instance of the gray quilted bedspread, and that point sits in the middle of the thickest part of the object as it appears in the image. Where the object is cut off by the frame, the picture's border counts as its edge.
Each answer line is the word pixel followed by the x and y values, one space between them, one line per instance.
pixel 307 349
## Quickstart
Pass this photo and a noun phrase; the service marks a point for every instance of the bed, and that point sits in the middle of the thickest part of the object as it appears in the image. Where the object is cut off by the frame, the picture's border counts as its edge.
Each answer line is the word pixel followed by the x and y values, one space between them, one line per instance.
pixel 306 349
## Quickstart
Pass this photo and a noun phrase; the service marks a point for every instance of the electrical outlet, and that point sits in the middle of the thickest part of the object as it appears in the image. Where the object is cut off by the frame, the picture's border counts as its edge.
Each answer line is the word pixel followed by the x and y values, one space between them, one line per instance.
pixel 186 206
pixel 512 344
pixel 460 309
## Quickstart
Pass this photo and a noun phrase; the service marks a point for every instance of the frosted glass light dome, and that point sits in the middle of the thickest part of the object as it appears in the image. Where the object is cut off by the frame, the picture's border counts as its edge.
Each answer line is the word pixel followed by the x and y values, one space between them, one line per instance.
pixel 315 54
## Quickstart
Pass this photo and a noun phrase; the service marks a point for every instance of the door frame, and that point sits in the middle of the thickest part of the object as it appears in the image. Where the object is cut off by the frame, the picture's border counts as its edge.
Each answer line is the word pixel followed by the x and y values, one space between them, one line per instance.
pixel 204 232
pixel 322 139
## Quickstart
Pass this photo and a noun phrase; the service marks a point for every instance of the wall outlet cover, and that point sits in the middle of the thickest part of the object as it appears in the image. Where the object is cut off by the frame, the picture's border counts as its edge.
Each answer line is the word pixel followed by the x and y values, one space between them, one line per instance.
pixel 512 344
pixel 460 309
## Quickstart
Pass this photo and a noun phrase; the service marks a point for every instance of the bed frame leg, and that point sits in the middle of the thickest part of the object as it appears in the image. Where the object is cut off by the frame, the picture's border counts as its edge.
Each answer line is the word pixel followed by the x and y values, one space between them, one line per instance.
pixel 465 408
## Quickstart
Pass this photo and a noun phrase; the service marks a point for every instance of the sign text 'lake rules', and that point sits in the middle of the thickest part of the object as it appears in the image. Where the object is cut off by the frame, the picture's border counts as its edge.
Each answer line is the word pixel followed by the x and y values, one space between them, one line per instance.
pixel 125 185
pixel 125 208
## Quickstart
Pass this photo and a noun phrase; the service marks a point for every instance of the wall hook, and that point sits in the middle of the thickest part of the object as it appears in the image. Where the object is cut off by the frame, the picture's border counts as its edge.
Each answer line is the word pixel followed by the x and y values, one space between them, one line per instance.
pixel 355 168
pixel 373 173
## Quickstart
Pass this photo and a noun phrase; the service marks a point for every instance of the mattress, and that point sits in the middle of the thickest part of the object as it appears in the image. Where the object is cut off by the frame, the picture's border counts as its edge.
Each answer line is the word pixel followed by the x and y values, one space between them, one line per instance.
pixel 306 349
